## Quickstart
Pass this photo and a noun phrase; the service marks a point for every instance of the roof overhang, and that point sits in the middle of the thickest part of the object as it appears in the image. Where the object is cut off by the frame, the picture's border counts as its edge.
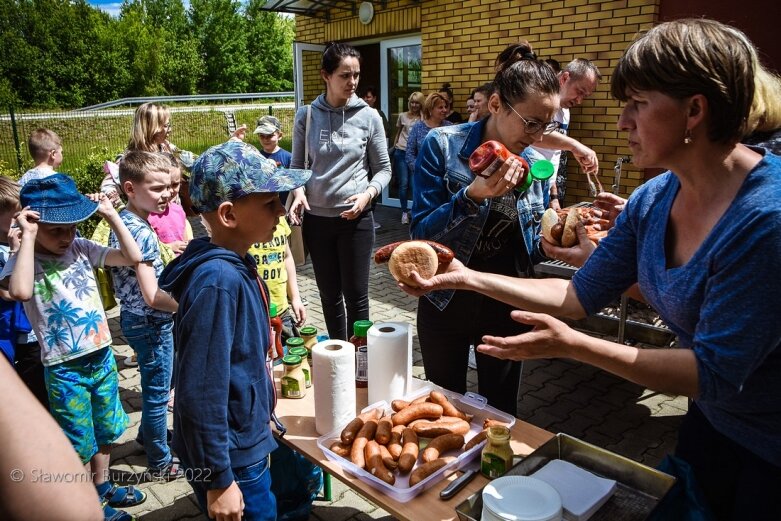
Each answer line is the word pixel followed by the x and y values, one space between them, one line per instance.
pixel 316 8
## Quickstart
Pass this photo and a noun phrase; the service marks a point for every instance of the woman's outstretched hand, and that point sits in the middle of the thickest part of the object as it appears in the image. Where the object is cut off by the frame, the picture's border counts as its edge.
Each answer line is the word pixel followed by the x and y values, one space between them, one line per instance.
pixel 549 339
pixel 452 276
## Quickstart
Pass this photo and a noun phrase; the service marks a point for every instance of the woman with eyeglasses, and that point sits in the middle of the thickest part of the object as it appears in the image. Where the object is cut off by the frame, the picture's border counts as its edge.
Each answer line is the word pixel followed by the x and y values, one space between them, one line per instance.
pixel 489 225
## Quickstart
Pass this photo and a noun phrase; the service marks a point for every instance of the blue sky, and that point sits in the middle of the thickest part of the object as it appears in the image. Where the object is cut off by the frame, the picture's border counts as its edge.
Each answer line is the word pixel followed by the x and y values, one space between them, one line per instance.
pixel 110 6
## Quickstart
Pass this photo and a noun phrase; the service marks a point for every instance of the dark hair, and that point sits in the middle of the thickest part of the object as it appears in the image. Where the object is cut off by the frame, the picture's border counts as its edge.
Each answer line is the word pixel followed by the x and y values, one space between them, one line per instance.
pixel 519 74
pixel 486 89
pixel 553 64
pixel 581 68
pixel 446 89
pixel 693 56
pixel 334 53
pixel 372 89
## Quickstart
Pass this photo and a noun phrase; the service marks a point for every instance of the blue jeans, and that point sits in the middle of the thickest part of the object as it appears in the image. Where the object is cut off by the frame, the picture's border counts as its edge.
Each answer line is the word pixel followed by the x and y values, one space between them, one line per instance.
pixel 254 481
pixel 401 169
pixel 152 340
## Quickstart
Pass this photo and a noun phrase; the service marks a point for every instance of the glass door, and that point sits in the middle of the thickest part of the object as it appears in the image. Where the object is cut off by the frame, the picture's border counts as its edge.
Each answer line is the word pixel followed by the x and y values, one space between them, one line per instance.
pixel 306 74
pixel 400 70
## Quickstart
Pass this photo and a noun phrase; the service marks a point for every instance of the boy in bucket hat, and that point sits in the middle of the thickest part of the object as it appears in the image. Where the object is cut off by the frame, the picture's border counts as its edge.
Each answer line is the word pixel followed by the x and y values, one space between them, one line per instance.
pixel 52 273
pixel 224 394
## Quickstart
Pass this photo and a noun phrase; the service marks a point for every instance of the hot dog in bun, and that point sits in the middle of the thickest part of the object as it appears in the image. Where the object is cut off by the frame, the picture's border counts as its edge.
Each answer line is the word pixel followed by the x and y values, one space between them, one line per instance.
pixel 560 230
pixel 404 257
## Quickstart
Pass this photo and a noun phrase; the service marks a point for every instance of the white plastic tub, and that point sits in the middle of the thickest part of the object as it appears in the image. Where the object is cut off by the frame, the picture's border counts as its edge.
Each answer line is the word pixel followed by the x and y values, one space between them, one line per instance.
pixel 401 491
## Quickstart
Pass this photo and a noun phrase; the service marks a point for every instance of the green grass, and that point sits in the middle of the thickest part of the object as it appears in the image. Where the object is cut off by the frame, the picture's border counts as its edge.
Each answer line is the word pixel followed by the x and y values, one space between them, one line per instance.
pixel 105 135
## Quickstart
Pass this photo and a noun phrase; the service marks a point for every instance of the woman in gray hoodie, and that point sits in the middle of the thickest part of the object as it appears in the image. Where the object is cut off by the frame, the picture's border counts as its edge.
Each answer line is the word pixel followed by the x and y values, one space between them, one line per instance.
pixel 346 140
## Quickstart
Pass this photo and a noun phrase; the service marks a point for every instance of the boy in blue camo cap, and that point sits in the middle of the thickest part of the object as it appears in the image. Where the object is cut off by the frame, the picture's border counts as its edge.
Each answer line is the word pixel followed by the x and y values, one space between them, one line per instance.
pixel 224 394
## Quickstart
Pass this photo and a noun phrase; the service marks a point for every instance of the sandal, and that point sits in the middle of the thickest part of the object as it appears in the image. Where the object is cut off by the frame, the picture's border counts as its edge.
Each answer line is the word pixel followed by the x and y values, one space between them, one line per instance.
pixel 170 472
pixel 110 514
pixel 116 496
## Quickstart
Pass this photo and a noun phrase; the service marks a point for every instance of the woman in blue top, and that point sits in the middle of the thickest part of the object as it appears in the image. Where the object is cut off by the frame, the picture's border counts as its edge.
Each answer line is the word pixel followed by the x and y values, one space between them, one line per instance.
pixel 433 116
pixel 703 241
pixel 487 223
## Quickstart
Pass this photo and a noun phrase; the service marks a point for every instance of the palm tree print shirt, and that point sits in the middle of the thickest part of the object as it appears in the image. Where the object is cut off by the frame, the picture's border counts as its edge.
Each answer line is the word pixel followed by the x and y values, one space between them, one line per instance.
pixel 65 311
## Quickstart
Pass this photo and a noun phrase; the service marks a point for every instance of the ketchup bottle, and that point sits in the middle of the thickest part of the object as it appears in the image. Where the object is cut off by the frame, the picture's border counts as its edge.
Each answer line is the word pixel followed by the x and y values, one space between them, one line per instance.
pixel 360 330
pixel 488 157
pixel 277 351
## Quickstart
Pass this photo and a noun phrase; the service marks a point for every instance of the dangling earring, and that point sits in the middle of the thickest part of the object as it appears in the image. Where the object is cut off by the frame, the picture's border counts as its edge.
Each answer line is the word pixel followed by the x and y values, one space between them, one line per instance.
pixel 687 137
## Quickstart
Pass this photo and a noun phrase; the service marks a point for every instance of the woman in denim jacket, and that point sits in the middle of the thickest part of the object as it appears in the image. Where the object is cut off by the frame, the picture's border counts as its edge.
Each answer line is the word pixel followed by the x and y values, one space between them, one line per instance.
pixel 487 223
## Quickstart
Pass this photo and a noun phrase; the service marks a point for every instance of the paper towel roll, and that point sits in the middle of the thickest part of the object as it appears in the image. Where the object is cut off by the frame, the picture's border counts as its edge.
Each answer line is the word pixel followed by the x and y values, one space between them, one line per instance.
pixel 389 355
pixel 333 379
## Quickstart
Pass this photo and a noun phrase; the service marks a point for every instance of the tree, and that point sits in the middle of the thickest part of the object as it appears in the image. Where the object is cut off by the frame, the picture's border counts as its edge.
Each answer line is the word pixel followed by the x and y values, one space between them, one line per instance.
pixel 270 45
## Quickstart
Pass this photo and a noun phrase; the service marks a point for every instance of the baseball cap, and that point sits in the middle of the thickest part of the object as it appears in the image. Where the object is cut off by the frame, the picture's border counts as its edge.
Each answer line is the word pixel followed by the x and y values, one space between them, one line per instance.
pixel 267 125
pixel 233 169
pixel 57 200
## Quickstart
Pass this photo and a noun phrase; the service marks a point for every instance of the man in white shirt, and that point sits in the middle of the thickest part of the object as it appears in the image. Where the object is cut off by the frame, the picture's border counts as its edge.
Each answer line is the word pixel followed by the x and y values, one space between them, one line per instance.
pixel 578 80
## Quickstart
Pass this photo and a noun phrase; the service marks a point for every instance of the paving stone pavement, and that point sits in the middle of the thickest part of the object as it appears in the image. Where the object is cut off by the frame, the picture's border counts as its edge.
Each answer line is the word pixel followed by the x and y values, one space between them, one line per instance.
pixel 557 395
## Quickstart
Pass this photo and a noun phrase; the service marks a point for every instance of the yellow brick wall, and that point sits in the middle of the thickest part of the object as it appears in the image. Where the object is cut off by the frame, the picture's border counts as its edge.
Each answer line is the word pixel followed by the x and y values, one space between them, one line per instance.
pixel 461 40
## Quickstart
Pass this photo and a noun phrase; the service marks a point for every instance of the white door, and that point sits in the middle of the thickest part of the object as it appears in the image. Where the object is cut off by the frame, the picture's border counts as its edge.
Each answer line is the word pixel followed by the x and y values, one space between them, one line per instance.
pixel 306 71
pixel 400 68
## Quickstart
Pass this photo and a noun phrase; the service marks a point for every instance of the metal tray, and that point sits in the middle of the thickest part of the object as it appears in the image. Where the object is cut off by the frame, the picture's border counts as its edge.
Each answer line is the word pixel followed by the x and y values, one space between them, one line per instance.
pixel 640 488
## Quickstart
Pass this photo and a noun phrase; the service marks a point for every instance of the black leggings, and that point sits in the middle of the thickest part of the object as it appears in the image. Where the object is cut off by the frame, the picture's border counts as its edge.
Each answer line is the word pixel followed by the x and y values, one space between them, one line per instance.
pixel 445 337
pixel 341 254
pixel 736 483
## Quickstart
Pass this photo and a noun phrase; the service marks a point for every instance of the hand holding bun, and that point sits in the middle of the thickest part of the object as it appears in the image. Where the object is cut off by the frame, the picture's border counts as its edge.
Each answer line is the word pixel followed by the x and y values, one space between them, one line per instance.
pixel 405 257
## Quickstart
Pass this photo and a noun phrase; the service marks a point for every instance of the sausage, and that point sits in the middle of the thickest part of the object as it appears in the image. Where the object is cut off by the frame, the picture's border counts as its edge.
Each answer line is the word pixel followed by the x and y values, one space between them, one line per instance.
pixel 416 412
pixel 340 449
pixel 383 254
pixel 445 425
pixel 394 445
pixel 361 439
pixel 389 461
pixel 448 408
pixel 374 463
pixel 422 399
pixel 488 422
pixel 398 405
pixel 409 453
pixel 383 433
pixel 427 469
pixel 444 254
pixel 442 444
pixel 476 439
pixel 348 433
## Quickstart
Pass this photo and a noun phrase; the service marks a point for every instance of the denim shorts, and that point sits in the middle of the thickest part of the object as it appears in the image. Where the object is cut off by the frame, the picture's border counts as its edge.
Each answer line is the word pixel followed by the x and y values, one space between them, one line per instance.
pixel 84 399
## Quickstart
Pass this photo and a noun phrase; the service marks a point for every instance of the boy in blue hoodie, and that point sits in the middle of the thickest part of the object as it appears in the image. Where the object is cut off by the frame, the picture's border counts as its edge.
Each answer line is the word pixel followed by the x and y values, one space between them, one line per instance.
pixel 224 394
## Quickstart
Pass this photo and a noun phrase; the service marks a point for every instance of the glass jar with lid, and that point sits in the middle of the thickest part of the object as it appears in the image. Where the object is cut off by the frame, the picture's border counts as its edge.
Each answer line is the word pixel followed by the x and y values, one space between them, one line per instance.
pixel 497 456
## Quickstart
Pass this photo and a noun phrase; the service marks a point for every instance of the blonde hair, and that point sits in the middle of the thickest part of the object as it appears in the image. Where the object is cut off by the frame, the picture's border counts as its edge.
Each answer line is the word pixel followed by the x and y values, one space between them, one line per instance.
pixel 41 142
pixel 415 96
pixel 693 56
pixel 137 163
pixel 765 112
pixel 9 194
pixel 148 120
pixel 431 102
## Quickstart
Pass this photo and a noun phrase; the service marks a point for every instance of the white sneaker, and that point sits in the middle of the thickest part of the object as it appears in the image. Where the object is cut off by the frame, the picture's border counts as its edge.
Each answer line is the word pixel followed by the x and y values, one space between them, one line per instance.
pixel 404 217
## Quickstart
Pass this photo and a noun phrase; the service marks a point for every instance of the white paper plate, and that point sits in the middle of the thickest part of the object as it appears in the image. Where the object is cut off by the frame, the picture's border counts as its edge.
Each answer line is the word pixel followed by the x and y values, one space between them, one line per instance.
pixel 520 498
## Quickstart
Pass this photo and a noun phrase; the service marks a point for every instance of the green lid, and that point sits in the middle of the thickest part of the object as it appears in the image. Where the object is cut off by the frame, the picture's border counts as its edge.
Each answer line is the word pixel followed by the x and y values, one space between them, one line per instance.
pixel 291 360
pixel 542 169
pixel 299 351
pixel 308 330
pixel 361 327
pixel 294 341
pixel 272 310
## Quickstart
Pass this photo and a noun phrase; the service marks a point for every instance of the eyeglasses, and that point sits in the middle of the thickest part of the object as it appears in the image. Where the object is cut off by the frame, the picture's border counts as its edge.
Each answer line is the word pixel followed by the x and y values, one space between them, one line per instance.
pixel 533 127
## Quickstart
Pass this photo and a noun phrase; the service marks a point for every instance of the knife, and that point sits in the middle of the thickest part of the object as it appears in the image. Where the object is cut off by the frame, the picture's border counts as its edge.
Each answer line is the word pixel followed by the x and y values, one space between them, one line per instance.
pixel 471 470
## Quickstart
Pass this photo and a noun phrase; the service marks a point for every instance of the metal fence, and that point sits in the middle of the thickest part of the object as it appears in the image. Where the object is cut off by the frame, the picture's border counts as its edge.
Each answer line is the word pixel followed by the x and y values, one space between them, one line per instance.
pixel 98 132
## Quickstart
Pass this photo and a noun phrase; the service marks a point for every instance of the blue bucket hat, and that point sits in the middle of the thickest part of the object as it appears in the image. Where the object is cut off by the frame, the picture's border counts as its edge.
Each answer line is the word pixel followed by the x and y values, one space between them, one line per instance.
pixel 57 200
pixel 233 169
